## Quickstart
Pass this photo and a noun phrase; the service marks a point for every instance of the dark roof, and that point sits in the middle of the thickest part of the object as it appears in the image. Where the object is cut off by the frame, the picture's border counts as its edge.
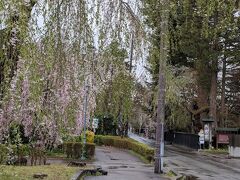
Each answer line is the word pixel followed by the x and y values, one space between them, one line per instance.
pixel 207 120
pixel 228 129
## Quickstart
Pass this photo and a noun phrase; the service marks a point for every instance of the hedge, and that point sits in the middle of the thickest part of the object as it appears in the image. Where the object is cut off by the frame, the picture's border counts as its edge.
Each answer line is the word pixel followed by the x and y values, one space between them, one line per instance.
pixel 126 143
pixel 74 149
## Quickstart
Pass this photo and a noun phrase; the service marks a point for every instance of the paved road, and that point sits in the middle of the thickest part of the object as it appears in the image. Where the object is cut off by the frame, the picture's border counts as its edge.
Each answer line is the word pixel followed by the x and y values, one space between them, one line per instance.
pixel 195 163
pixel 121 165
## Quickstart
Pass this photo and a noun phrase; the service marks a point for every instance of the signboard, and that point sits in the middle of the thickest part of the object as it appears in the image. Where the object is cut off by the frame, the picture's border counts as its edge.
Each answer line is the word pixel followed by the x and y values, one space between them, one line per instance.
pixel 95 123
pixel 206 132
pixel 223 139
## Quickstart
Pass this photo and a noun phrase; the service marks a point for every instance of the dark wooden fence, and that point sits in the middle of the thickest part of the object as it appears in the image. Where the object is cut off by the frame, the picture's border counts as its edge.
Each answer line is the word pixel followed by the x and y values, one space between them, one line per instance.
pixel 184 139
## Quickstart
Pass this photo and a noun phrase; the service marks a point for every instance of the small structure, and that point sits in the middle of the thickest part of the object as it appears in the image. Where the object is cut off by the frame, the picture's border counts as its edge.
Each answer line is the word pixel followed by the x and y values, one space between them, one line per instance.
pixel 224 134
pixel 207 124
pixel 234 145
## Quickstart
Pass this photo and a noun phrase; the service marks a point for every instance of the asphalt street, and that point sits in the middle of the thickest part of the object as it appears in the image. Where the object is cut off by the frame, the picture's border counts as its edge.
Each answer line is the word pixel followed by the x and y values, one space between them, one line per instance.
pixel 189 162
pixel 122 165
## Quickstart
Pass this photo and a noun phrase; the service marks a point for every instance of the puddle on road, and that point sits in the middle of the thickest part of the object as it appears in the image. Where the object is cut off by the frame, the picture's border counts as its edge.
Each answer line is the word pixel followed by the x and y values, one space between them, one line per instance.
pixel 106 151
pixel 112 167
pixel 116 167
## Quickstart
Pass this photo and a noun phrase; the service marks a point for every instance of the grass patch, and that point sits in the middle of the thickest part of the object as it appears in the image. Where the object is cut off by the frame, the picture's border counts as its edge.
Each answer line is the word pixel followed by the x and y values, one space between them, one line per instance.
pixel 171 174
pixel 54 172
pixel 55 154
pixel 142 158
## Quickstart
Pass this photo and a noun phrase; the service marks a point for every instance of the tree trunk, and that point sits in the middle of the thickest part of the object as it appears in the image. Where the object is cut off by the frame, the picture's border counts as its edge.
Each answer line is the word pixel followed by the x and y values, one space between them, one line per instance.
pixel 222 122
pixel 213 98
pixel 162 84
pixel 213 90
pixel 202 101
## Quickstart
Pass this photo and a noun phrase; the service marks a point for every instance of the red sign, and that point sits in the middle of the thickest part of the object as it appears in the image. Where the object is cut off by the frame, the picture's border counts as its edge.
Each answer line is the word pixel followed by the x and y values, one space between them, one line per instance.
pixel 223 139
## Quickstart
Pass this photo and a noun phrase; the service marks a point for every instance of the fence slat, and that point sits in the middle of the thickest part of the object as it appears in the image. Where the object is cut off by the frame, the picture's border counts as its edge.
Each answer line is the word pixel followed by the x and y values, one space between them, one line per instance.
pixel 184 139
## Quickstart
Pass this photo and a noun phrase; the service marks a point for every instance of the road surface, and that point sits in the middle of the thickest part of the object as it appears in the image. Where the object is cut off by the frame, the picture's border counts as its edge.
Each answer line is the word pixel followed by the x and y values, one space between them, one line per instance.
pixel 121 165
pixel 185 161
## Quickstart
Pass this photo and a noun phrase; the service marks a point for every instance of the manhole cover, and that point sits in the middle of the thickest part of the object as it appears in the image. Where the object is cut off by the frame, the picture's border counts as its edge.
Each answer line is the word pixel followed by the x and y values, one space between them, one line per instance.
pixel 116 167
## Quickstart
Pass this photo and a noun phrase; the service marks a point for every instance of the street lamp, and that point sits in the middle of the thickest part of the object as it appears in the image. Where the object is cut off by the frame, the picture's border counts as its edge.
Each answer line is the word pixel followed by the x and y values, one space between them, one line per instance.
pixel 85 123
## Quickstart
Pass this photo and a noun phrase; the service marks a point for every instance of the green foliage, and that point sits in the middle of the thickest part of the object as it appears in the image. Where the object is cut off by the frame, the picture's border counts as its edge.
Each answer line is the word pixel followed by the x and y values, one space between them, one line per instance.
pixel 74 149
pixel 21 150
pixel 16 134
pixel 71 138
pixel 9 151
pixel 126 143
pixel 115 100
pixel 174 69
pixel 106 125
pixel 122 95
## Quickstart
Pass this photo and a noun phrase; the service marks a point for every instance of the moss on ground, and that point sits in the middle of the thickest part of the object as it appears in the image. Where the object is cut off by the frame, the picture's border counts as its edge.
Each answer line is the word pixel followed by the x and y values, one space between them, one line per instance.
pixel 216 151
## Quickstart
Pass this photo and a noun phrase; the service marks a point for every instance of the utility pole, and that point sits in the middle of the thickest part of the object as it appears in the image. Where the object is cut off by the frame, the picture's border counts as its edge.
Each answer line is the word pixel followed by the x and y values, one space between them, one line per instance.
pixel 163 5
pixel 85 107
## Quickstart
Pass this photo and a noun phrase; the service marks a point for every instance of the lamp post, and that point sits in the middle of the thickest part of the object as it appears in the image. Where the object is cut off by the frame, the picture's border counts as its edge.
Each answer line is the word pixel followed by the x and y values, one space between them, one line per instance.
pixel 85 123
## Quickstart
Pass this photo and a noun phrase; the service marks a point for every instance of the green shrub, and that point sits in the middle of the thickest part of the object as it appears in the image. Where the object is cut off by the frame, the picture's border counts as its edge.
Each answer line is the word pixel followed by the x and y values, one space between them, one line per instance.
pixel 3 153
pixel 21 150
pixel 126 143
pixel 98 139
pixel 74 149
pixel 12 150
pixel 89 136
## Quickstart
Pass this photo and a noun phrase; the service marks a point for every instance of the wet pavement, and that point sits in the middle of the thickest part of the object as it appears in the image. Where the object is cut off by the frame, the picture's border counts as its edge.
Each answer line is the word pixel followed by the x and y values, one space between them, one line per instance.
pixel 122 165
pixel 186 161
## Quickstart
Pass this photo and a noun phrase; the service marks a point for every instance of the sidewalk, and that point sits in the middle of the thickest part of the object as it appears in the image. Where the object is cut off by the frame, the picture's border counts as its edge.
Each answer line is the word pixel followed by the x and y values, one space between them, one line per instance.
pixel 122 165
